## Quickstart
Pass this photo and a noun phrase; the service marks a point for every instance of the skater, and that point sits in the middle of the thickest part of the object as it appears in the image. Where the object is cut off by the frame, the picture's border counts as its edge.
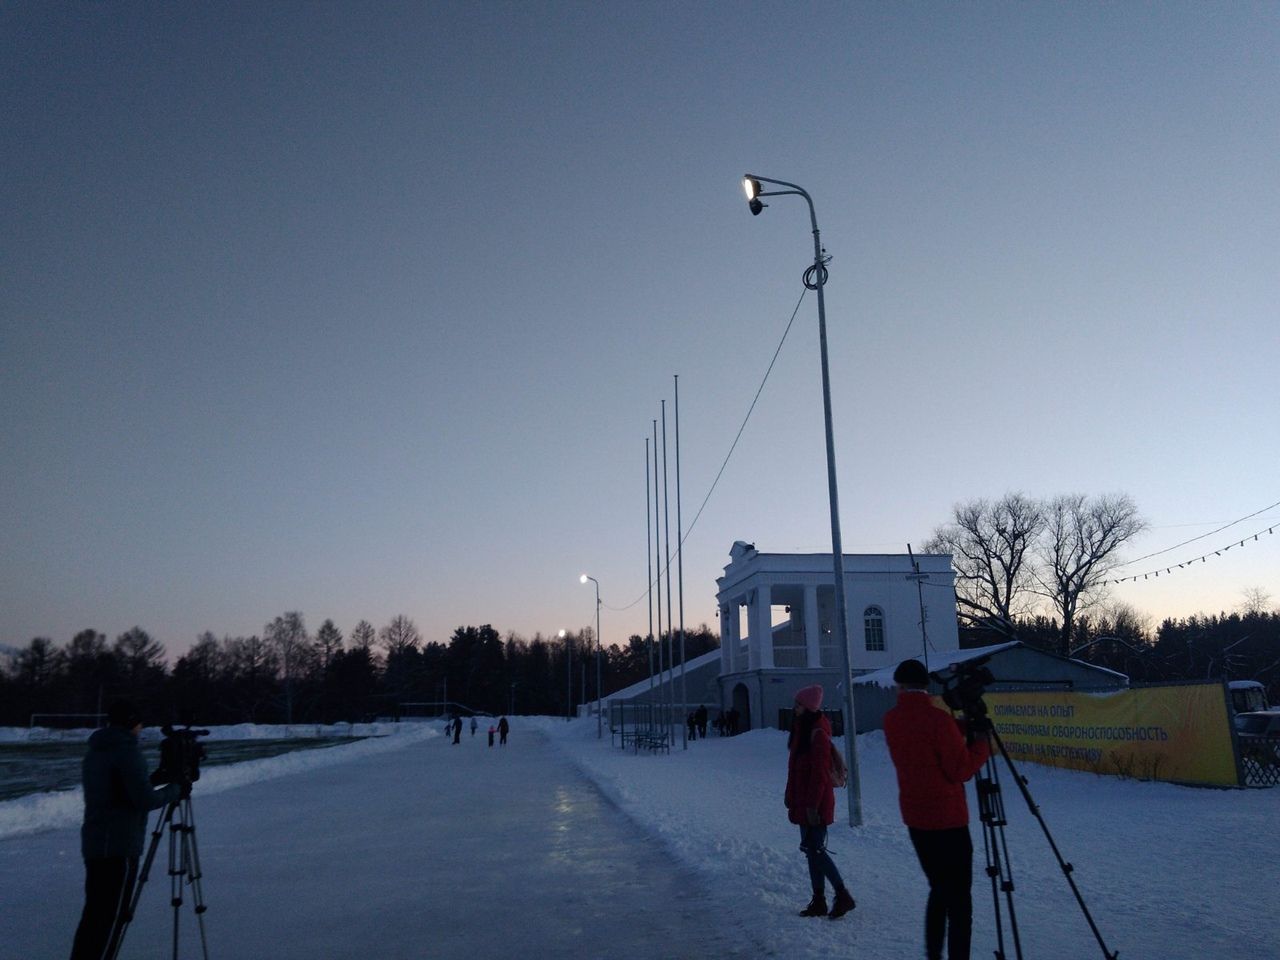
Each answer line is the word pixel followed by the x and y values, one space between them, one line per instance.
pixel 492 731
pixel 503 729
pixel 933 762
pixel 457 728
pixel 692 723
pixel 474 725
pixel 117 797
pixel 811 802
pixel 700 715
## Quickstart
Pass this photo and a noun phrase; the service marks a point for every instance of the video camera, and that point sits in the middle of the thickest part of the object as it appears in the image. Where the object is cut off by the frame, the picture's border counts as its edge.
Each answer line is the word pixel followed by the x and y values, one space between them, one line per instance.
pixel 962 689
pixel 180 755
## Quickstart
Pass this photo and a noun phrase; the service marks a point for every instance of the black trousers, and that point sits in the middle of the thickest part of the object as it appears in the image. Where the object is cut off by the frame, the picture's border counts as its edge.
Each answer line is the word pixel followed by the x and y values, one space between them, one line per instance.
pixel 108 885
pixel 947 859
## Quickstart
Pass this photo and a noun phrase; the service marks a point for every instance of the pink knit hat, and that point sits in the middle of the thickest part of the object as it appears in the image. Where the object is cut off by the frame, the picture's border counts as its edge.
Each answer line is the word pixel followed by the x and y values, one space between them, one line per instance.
pixel 810 697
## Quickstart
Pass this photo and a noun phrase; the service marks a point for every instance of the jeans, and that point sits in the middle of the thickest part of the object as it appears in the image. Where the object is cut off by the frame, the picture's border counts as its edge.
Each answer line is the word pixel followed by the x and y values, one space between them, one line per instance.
pixel 947 859
pixel 813 841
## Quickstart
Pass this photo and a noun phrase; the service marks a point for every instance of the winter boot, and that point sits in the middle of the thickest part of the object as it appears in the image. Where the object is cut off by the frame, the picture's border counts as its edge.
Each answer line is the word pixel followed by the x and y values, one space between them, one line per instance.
pixel 842 904
pixel 817 906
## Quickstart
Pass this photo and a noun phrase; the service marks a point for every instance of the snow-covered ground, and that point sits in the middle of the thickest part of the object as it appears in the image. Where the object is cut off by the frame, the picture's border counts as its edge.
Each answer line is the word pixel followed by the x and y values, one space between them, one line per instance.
pixel 1167 871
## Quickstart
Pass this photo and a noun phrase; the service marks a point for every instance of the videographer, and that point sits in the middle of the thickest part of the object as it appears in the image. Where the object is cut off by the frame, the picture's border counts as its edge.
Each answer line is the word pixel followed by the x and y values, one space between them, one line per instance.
pixel 117 796
pixel 933 761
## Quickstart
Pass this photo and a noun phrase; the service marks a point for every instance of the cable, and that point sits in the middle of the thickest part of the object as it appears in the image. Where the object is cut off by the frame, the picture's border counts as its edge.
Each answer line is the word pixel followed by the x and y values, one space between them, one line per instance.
pixel 1203 558
pixel 733 446
pixel 1129 563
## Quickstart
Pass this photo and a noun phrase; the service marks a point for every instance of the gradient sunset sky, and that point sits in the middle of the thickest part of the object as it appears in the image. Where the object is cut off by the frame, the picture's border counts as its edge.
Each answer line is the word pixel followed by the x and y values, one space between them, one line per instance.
pixel 363 309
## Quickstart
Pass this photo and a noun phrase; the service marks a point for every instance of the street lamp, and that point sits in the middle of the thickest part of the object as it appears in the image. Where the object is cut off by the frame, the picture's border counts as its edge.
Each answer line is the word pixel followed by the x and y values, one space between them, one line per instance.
pixel 599 720
pixel 815 277
pixel 568 700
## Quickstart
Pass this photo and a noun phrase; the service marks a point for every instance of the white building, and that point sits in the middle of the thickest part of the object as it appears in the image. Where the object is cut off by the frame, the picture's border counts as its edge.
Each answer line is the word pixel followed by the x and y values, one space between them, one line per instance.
pixel 777 623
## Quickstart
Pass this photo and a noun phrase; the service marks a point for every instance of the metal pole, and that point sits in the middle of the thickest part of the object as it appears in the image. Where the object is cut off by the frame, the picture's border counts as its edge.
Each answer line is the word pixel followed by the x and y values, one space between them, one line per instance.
pixel 833 495
pixel 684 687
pixel 837 546
pixel 919 577
pixel 568 647
pixel 666 522
pixel 657 538
pixel 599 688
pixel 648 547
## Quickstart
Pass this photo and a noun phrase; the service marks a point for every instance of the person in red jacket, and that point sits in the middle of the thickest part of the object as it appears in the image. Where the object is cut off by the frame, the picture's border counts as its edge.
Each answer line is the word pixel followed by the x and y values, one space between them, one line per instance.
pixel 933 761
pixel 811 801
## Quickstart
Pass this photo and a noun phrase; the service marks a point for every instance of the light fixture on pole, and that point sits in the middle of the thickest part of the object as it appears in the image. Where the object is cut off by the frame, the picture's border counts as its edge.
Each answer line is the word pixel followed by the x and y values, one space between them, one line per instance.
pixel 815 277
pixel 599 719
pixel 568 699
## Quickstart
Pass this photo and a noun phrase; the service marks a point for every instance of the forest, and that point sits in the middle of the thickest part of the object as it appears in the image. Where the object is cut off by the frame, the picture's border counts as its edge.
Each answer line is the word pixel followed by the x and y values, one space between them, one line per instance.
pixel 289 675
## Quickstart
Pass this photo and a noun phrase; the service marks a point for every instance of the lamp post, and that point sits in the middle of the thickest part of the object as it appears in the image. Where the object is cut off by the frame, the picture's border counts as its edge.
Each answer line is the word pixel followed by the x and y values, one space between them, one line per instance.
pixel 599 720
pixel 815 278
pixel 568 698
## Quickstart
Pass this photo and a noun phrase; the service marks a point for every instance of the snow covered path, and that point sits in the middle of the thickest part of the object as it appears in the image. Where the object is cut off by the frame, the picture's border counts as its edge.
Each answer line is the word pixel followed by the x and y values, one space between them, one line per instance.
pixel 428 851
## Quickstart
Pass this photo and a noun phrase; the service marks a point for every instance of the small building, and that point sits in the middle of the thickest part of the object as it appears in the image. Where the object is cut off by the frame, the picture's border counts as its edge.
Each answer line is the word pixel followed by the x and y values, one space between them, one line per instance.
pixel 777 623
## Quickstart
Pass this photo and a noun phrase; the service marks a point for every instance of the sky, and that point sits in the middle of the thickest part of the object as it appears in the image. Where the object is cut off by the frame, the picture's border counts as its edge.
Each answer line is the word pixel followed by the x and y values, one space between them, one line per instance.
pixel 368 839
pixel 369 310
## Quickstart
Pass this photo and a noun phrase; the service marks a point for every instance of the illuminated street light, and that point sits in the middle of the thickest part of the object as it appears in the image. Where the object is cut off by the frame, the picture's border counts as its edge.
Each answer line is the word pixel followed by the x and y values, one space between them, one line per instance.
pixel 599 720
pixel 815 277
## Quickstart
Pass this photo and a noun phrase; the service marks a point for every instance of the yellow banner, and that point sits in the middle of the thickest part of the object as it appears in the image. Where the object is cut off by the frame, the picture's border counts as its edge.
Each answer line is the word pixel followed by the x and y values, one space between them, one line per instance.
pixel 1176 733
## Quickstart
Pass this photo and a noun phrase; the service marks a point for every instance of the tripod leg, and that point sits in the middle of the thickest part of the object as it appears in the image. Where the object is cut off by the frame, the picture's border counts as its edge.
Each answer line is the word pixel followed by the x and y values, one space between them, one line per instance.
pixel 162 818
pixel 1066 867
pixel 195 873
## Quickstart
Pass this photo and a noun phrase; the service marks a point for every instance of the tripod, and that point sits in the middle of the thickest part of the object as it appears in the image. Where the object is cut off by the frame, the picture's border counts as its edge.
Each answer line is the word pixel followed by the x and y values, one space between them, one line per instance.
pixel 999 868
pixel 184 867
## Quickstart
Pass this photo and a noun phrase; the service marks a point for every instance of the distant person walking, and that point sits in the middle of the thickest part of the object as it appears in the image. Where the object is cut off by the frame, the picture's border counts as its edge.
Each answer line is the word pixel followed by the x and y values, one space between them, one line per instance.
pixel 933 761
pixel 503 729
pixel 811 802
pixel 692 723
pixel 700 715
pixel 457 729
pixel 474 725
pixel 492 731
pixel 117 797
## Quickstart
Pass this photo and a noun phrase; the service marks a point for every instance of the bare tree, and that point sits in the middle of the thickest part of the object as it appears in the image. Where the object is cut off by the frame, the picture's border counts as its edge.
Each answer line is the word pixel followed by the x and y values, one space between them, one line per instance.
pixel 991 545
pixel 287 636
pixel 1077 551
pixel 399 635
pixel 1255 601
pixel 363 635
pixel 328 642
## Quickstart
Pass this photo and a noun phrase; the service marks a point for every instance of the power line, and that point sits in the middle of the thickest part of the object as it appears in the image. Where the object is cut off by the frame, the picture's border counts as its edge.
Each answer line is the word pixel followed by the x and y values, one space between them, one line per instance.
pixel 1204 558
pixel 733 446
pixel 1129 563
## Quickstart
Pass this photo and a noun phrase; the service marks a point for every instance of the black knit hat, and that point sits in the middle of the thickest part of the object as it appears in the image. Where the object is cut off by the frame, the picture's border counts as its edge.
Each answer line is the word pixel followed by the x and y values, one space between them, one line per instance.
pixel 911 673
pixel 122 713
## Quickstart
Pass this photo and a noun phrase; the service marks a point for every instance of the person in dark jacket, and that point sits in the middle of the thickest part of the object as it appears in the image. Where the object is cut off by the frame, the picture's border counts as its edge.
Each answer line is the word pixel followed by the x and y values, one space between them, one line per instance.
pixel 117 797
pixel 933 761
pixel 811 801
pixel 503 729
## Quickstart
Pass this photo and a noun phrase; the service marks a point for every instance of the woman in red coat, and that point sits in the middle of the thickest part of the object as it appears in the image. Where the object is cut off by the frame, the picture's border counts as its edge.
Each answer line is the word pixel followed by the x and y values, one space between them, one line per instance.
pixel 811 801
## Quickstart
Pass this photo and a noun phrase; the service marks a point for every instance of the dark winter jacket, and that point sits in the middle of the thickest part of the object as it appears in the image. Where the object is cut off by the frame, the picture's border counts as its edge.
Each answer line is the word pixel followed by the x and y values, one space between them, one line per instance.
pixel 933 762
pixel 117 795
pixel 809 784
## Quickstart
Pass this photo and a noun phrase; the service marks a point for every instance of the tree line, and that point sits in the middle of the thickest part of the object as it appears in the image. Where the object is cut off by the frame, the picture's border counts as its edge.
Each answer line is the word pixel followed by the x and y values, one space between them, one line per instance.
pixel 289 675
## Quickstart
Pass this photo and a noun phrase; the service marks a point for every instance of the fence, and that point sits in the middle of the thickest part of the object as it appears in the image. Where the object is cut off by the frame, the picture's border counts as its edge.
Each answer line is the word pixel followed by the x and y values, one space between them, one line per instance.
pixel 1259 760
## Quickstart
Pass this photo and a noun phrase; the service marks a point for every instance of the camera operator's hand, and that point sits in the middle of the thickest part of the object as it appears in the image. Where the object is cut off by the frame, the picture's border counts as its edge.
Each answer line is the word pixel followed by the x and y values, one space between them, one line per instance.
pixel 184 789
pixel 980 726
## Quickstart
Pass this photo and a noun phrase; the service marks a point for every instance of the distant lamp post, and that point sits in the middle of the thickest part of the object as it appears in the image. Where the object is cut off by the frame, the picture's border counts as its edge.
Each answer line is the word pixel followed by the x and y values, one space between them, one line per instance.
pixel 599 718
pixel 815 277
pixel 568 699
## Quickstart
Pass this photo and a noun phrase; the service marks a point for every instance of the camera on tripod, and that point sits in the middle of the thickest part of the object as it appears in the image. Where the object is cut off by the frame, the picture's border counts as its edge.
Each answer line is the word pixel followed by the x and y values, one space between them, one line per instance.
pixel 962 689
pixel 180 755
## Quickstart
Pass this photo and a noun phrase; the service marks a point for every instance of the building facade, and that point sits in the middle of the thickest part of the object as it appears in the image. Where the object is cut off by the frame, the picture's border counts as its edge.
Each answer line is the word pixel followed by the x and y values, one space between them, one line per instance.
pixel 777 623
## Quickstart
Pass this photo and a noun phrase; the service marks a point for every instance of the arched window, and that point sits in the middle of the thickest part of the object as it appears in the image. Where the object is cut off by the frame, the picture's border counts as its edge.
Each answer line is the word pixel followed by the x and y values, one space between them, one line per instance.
pixel 873 627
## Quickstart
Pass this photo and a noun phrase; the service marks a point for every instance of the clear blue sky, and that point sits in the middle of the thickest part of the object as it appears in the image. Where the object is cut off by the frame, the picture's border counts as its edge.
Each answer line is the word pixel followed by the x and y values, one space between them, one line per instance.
pixel 366 309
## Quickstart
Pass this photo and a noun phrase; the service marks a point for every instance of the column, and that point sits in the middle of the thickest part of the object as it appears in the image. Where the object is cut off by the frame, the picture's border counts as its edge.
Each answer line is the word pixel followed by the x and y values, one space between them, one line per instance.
pixel 728 636
pixel 762 626
pixel 812 627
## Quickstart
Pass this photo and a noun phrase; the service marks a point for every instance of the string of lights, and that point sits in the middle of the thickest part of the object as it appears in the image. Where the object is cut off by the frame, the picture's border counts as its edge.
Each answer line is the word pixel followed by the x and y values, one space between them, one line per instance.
pixel 1204 558
pixel 1148 556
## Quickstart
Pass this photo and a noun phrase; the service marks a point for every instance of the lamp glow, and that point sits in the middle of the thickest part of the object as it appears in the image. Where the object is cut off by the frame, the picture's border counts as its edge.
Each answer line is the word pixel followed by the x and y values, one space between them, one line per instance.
pixel 751 186
pixel 583 578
